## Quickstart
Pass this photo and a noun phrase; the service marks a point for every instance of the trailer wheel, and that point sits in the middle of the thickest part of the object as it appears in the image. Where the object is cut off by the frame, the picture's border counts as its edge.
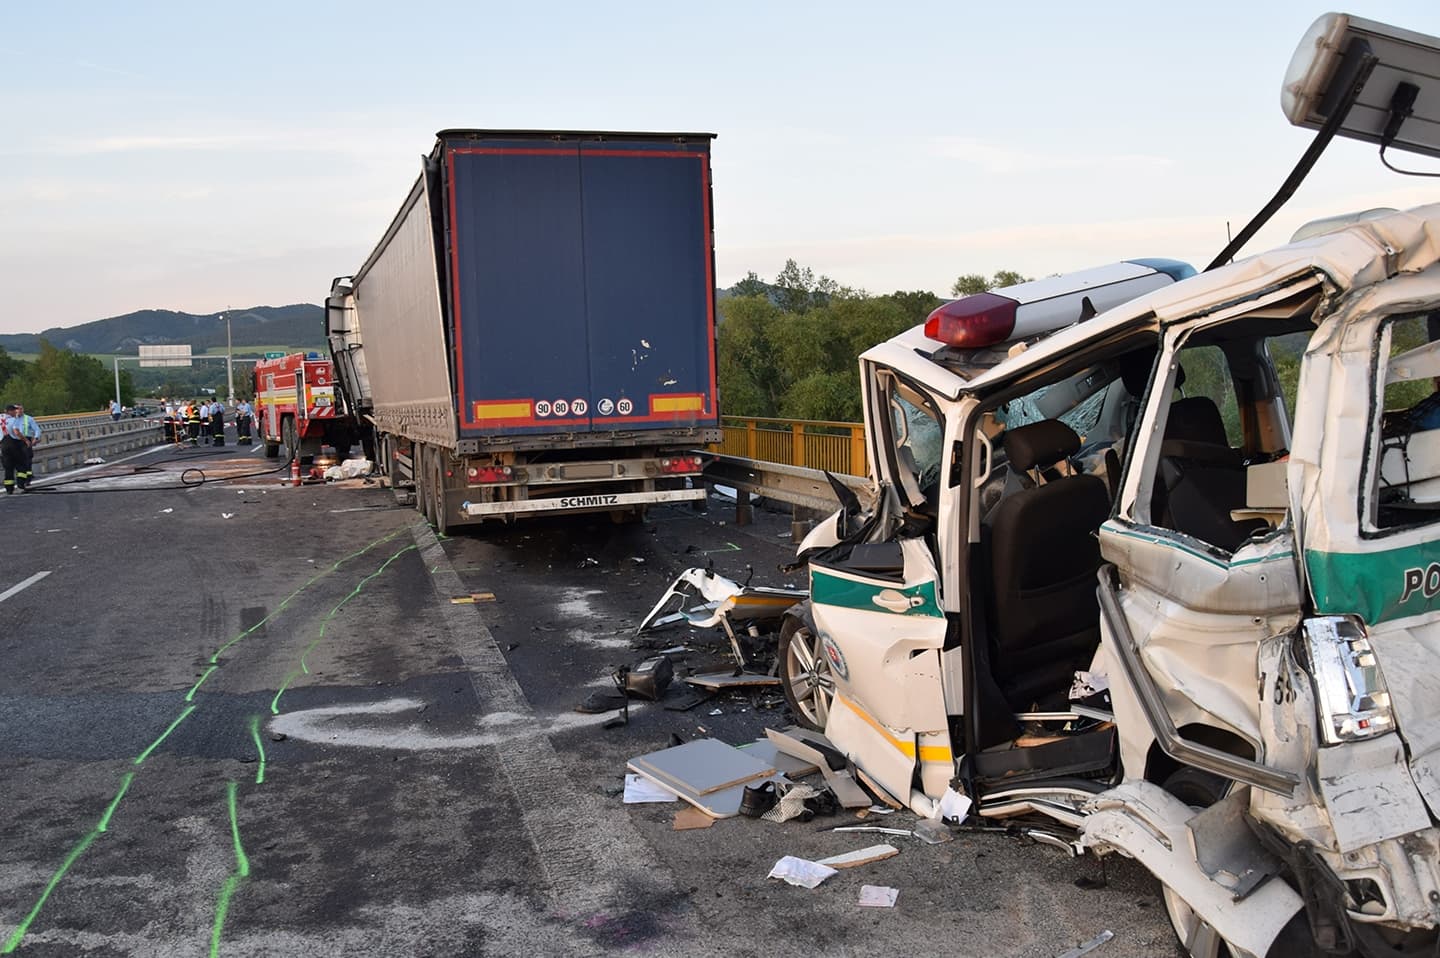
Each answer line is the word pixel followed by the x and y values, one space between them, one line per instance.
pixel 419 468
pixel 441 507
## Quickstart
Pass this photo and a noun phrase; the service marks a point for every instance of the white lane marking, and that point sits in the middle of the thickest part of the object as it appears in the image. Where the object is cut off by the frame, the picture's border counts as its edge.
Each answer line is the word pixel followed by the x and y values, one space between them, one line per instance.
pixel 255 448
pixel 22 586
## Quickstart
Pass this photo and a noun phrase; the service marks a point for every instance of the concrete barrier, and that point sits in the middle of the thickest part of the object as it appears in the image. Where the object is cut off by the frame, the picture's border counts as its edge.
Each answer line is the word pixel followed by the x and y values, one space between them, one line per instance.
pixel 65 443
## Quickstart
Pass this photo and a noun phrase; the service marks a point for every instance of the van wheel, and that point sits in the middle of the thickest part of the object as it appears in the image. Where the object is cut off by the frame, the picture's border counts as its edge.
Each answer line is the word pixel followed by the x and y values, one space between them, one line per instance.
pixel 805 673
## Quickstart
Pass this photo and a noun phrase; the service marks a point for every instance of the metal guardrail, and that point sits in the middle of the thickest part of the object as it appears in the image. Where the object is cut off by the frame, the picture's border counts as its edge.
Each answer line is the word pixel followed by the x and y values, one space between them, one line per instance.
pixel 837 447
pixel 67 441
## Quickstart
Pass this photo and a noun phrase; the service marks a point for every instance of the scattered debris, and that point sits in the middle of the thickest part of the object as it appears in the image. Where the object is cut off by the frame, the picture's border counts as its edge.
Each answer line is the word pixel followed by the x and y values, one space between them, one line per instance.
pixel 1089 946
pixel 727 605
pixel 705 772
pixel 861 856
pixel 587 562
pixel 793 804
pixel 717 711
pixel 954 806
pixel 878 896
pixel 227 515
pixel 640 791
pixel 691 817
pixel 650 678
pixel 601 700
pixel 688 701
pixel 933 831
pixel 730 680
pixel 349 469
pixel 765 750
pixel 757 800
pixel 167 510
pixel 94 461
pixel 801 872
pixel 814 747
pixel 472 598
pixel 872 828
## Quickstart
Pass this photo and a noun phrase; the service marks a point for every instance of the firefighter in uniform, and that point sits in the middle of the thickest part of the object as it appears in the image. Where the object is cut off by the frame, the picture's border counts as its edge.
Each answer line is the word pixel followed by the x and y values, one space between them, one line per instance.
pixel 217 423
pixel 192 422
pixel 243 412
pixel 20 433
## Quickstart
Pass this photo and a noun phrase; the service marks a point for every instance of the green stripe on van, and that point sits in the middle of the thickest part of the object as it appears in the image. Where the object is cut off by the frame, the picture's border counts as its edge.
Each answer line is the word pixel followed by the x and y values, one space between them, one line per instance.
pixel 846 593
pixel 1378 586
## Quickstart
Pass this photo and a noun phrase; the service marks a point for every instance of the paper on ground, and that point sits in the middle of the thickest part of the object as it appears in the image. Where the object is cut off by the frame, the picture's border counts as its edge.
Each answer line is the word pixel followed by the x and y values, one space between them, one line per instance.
pixel 639 790
pixel 799 871
pixel 878 896
pixel 954 806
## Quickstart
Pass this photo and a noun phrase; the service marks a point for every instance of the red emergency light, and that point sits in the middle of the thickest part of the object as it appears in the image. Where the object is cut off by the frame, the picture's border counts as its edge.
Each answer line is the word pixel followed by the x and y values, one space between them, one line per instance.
pixel 983 319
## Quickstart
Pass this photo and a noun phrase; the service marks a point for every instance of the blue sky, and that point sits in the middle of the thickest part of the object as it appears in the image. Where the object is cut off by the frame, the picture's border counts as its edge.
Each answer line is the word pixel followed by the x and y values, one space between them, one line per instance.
pixel 198 156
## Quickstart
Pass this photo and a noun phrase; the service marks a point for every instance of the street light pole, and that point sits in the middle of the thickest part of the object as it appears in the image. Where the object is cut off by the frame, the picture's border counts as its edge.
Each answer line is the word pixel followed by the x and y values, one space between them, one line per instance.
pixel 229 364
pixel 117 380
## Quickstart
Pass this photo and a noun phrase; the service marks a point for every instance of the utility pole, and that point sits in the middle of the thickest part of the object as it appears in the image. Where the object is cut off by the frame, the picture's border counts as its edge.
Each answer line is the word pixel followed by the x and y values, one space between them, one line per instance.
pixel 229 363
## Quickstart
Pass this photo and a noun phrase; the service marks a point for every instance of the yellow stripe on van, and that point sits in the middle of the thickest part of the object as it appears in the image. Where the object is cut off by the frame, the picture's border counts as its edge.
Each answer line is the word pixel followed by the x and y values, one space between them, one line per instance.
pixel 928 753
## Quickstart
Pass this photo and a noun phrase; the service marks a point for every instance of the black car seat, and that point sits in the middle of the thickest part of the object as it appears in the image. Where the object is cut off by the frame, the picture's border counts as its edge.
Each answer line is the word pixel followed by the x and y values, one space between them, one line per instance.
pixel 1044 553
pixel 1200 477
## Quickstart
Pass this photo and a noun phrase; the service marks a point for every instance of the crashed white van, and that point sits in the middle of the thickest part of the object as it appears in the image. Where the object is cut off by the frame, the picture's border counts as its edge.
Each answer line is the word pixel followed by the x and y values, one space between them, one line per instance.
pixel 1166 582
pixel 1243 463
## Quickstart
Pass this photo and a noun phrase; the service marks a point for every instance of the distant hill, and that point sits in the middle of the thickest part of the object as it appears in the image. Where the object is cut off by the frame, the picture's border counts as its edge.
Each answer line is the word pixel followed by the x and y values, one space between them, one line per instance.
pixel 301 326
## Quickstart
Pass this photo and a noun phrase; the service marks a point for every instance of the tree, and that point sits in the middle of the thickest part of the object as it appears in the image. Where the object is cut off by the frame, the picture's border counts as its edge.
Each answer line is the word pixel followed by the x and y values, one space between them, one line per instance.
pixel 60 381
pixel 9 367
pixel 971 283
pixel 798 289
pixel 751 285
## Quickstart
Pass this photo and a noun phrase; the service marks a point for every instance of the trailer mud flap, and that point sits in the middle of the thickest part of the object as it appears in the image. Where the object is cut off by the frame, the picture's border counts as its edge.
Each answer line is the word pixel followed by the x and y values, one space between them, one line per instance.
pixel 1147 823
pixel 587 502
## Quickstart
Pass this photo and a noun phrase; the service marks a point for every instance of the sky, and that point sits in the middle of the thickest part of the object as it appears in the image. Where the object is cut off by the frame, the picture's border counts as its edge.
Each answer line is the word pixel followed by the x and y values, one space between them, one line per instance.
pixel 197 157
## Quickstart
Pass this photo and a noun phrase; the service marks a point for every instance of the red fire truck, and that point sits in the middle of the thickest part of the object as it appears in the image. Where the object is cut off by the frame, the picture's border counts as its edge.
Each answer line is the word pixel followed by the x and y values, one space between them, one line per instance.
pixel 295 406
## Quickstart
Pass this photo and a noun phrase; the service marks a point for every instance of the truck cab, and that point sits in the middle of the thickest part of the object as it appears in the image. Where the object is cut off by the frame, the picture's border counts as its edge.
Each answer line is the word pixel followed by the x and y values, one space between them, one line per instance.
pixel 1164 582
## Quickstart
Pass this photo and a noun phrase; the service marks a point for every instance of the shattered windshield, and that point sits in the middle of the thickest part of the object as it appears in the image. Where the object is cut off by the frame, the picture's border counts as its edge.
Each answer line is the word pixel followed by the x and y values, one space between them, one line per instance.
pixel 917 430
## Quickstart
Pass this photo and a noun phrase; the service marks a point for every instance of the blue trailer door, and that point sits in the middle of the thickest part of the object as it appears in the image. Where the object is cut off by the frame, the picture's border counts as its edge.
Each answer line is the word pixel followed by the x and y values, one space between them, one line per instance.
pixel 648 284
pixel 517 296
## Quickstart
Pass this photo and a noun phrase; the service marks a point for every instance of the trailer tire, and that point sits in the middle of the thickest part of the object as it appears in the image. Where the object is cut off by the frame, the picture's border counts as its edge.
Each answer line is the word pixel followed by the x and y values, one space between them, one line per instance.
pixel 420 468
pixel 441 518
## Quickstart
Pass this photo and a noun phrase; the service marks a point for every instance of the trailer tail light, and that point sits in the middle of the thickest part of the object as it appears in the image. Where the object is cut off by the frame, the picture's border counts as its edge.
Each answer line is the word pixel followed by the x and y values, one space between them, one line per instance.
pixel 975 321
pixel 680 464
pixel 490 473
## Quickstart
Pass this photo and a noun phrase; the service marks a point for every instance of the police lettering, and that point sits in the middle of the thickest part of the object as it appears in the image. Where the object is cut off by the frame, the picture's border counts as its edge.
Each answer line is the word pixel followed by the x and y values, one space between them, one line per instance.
pixel 1425 581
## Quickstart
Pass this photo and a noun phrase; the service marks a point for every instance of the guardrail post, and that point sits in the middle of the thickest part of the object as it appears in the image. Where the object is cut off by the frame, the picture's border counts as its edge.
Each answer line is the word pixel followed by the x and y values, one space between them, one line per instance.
pixel 750 450
pixel 797 444
pixel 857 451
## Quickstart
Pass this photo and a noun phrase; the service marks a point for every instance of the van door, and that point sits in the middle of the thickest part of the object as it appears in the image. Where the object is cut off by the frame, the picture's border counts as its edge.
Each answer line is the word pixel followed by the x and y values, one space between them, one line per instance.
pixel 878 615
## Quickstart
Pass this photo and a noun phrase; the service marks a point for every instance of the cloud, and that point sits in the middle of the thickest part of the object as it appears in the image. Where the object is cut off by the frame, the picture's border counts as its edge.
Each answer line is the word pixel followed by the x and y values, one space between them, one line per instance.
pixel 994 158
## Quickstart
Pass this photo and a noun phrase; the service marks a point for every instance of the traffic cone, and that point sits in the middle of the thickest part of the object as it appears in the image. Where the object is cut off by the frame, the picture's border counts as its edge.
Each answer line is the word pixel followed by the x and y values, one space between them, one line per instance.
pixel 294 470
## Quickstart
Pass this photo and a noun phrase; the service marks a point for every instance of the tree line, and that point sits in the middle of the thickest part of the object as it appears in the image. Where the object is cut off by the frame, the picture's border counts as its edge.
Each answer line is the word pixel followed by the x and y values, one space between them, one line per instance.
pixel 60 381
pixel 789 349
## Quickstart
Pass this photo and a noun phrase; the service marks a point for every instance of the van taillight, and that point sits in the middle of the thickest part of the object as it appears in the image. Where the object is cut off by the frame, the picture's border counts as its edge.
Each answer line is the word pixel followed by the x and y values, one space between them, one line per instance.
pixel 983 319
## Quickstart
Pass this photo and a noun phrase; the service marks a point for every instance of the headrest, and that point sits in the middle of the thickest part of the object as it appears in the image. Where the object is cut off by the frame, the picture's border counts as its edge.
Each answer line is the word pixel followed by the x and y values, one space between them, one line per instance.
pixel 1196 419
pixel 1041 444
pixel 1135 370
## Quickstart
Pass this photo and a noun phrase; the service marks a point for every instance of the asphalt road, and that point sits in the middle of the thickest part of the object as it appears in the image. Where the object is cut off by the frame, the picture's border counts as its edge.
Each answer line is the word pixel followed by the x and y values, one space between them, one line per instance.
pixel 246 719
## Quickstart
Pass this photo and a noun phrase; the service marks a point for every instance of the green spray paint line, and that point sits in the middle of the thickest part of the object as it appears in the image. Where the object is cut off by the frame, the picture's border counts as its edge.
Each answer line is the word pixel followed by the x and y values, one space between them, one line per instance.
pixel 259 748
pixel 115 802
pixel 242 871
pixel 304 665
pixel 190 695
pixel 18 935
pixel 214 659
pixel 165 734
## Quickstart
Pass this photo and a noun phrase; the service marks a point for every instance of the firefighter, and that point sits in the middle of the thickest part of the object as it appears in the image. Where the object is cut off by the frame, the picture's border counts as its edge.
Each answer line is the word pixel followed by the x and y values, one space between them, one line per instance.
pixel 192 422
pixel 243 412
pixel 20 433
pixel 217 423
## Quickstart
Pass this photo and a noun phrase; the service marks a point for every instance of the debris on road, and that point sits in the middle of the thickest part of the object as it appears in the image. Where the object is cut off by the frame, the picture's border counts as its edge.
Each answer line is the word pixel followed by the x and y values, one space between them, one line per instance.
pixel 800 872
pixel 640 791
pixel 689 818
pixel 472 598
pixel 814 747
pixel 705 772
pixel 730 680
pixel 878 896
pixel 1089 946
pixel 650 678
pixel 861 856
pixel 727 604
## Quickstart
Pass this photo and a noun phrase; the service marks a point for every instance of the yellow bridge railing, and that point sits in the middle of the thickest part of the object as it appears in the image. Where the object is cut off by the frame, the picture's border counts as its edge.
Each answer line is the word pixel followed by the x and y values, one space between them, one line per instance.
pixel 837 447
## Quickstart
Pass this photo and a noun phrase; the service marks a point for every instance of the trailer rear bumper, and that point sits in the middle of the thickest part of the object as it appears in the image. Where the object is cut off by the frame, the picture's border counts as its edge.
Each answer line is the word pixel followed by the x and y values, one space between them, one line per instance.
pixel 588 502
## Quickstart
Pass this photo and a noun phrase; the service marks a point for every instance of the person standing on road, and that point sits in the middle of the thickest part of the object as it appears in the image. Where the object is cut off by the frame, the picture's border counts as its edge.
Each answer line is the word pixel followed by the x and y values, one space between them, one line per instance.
pixel 17 446
pixel 192 422
pixel 115 410
pixel 217 423
pixel 243 415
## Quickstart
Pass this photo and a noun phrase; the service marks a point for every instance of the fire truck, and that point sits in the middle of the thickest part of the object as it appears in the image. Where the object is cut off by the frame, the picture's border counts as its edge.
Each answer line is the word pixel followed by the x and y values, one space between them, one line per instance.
pixel 295 406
